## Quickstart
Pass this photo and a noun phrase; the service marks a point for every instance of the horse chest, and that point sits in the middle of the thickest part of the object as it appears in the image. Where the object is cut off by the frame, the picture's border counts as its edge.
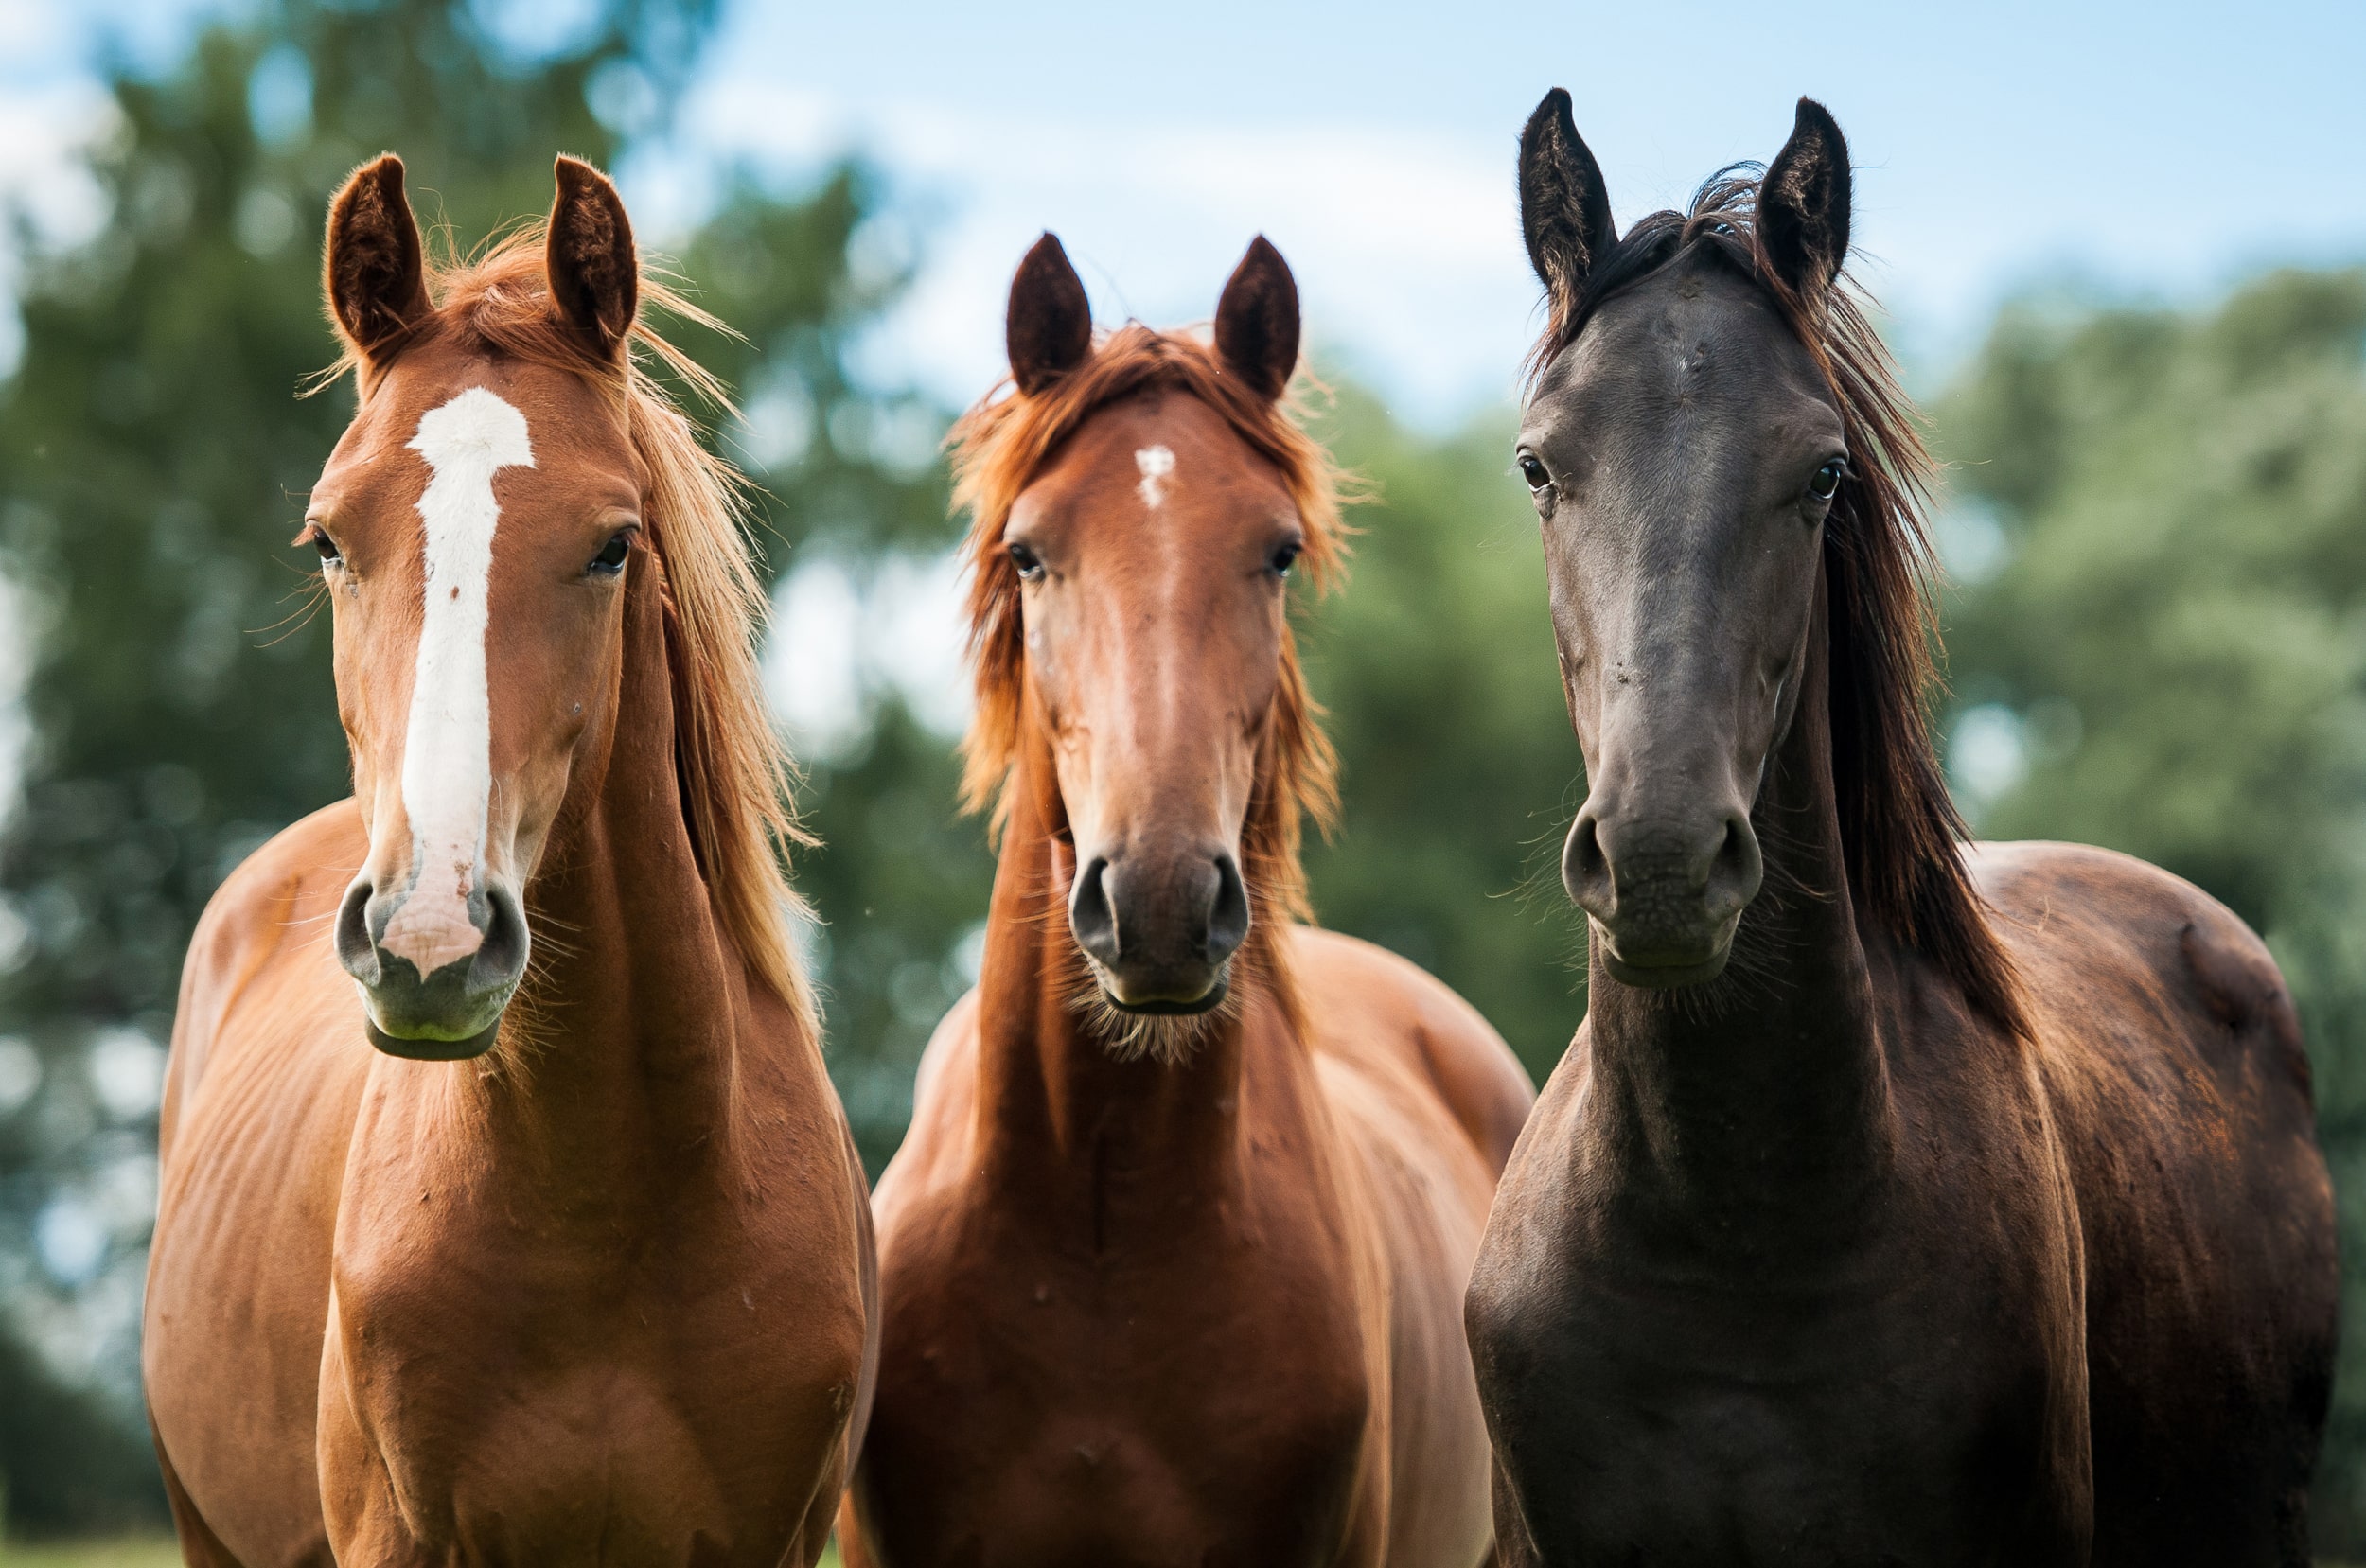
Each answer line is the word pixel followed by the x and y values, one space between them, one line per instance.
pixel 492 1382
pixel 1196 1401
pixel 1872 1414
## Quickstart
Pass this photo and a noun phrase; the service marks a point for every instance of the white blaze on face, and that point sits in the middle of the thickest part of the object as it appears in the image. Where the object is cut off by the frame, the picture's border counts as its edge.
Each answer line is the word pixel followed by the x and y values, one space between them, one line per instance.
pixel 1155 463
pixel 448 748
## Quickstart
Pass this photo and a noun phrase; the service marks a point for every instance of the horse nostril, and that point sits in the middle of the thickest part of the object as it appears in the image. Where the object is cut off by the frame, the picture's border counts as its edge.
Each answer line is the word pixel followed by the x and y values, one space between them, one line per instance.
pixel 1089 915
pixel 1227 918
pixel 1586 870
pixel 1734 871
pixel 356 950
pixel 500 957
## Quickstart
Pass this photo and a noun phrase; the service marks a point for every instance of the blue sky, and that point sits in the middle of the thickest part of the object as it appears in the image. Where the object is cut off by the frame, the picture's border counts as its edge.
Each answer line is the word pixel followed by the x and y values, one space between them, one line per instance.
pixel 2158 149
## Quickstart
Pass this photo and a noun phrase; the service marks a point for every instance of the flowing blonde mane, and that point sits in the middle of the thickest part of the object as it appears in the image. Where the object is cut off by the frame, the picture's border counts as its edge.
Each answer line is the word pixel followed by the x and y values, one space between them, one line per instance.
pixel 1002 443
pixel 734 773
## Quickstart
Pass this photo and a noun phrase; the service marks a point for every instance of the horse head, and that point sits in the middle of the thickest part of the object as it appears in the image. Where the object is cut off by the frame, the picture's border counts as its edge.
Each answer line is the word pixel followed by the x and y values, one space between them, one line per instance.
pixel 1684 448
pixel 474 524
pixel 1152 501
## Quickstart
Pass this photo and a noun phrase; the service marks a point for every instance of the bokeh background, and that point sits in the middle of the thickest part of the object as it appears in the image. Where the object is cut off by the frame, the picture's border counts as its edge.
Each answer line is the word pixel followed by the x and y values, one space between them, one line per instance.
pixel 2120 242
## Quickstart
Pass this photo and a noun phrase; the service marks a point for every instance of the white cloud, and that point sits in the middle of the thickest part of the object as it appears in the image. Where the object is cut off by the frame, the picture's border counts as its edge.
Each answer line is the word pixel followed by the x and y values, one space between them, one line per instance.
pixel 1406 244
pixel 43 133
pixel 838 644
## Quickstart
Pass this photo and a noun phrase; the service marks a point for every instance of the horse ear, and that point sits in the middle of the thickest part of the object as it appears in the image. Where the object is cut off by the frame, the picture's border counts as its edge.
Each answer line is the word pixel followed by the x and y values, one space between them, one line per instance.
pixel 373 273
pixel 1257 321
pixel 1564 206
pixel 1049 328
pixel 1803 205
pixel 594 271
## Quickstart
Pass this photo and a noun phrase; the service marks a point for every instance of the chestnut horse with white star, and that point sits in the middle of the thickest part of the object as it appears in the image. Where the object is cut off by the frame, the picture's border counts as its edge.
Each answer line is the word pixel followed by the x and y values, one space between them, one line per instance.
pixel 1172 1261
pixel 508 1213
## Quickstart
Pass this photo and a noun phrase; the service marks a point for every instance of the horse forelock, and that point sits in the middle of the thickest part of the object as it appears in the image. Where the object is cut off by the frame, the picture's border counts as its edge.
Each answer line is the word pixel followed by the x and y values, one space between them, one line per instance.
pixel 1901 833
pixel 736 774
pixel 999 448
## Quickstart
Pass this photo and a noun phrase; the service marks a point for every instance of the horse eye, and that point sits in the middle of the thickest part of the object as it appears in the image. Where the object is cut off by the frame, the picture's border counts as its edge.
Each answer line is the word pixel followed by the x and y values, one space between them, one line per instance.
pixel 1826 484
pixel 611 560
pixel 1284 557
pixel 330 555
pixel 1029 569
pixel 1533 471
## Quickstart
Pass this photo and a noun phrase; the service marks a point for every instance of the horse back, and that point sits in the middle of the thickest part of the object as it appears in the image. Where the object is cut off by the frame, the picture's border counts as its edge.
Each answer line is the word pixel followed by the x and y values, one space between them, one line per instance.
pixel 1370 1007
pixel 266 1068
pixel 2173 1058
pixel 1428 1101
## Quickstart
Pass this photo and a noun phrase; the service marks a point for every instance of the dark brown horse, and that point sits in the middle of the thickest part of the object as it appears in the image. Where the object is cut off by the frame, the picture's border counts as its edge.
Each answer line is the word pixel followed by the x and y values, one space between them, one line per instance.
pixel 573 1267
pixel 1886 1209
pixel 1172 1261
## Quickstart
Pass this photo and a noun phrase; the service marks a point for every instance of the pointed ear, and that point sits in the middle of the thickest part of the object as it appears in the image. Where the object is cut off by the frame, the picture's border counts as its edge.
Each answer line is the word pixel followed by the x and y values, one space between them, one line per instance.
pixel 1565 207
pixel 594 271
pixel 1257 321
pixel 1803 205
pixel 373 273
pixel 1049 328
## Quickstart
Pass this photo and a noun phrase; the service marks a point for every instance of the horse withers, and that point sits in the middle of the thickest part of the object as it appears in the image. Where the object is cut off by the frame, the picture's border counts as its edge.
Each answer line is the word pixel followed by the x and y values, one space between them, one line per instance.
pixel 508 1214
pixel 1173 1259
pixel 1893 1206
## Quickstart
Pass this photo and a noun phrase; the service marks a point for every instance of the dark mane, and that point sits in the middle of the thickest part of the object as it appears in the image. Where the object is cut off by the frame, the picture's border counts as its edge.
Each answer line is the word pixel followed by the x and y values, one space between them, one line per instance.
pixel 1901 832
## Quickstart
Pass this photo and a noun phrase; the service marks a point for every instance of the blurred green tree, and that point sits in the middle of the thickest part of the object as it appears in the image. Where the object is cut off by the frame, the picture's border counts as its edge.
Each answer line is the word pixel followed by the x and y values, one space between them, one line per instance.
pixel 2159 644
pixel 853 488
pixel 154 454
pixel 1458 772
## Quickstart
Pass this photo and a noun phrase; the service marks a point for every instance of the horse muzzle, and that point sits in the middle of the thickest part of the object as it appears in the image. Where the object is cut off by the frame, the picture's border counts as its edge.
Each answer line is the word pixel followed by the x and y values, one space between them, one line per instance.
pixel 433 988
pixel 1160 932
pixel 1664 897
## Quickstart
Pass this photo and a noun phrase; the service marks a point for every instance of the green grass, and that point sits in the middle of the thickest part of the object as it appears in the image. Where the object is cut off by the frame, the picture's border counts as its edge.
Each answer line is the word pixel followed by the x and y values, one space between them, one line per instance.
pixel 141 1552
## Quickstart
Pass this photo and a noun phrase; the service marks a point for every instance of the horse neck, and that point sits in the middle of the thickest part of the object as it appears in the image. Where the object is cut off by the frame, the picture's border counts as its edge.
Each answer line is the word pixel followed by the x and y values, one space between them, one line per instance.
pixel 1764 1096
pixel 1053 1100
pixel 637 1002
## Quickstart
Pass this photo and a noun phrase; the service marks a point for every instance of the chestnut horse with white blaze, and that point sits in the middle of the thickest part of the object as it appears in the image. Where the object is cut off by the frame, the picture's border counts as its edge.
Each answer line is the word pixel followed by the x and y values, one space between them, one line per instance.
pixel 1894 1205
pixel 508 1213
pixel 1172 1261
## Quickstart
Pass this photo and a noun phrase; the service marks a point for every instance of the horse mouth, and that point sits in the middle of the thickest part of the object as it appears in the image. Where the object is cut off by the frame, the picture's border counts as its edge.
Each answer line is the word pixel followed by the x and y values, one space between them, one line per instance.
pixel 1159 1007
pixel 440 1019
pixel 1665 965
pixel 427 1049
pixel 1157 998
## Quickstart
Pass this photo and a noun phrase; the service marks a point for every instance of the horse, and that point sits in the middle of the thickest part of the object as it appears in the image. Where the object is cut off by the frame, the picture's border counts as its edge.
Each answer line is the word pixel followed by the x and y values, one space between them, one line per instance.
pixel 508 1213
pixel 1895 1203
pixel 1172 1260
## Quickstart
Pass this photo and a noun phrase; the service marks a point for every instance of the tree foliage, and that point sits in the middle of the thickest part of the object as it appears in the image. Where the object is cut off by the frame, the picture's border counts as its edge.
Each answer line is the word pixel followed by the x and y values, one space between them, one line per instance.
pixel 1458 771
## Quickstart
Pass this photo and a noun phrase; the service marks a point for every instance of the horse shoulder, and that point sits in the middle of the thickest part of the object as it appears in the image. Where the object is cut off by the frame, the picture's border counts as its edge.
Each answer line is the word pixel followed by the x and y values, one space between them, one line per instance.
pixel 268 914
pixel 1370 1007
pixel 267 1061
pixel 936 1147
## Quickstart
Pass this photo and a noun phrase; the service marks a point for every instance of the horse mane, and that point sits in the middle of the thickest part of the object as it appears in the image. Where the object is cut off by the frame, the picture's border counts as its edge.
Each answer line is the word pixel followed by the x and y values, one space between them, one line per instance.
pixel 733 772
pixel 1901 835
pixel 997 448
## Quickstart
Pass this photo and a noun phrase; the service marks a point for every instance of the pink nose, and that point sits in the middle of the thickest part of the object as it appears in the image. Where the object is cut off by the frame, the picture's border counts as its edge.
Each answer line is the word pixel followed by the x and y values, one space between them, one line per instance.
pixel 433 990
pixel 434 926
